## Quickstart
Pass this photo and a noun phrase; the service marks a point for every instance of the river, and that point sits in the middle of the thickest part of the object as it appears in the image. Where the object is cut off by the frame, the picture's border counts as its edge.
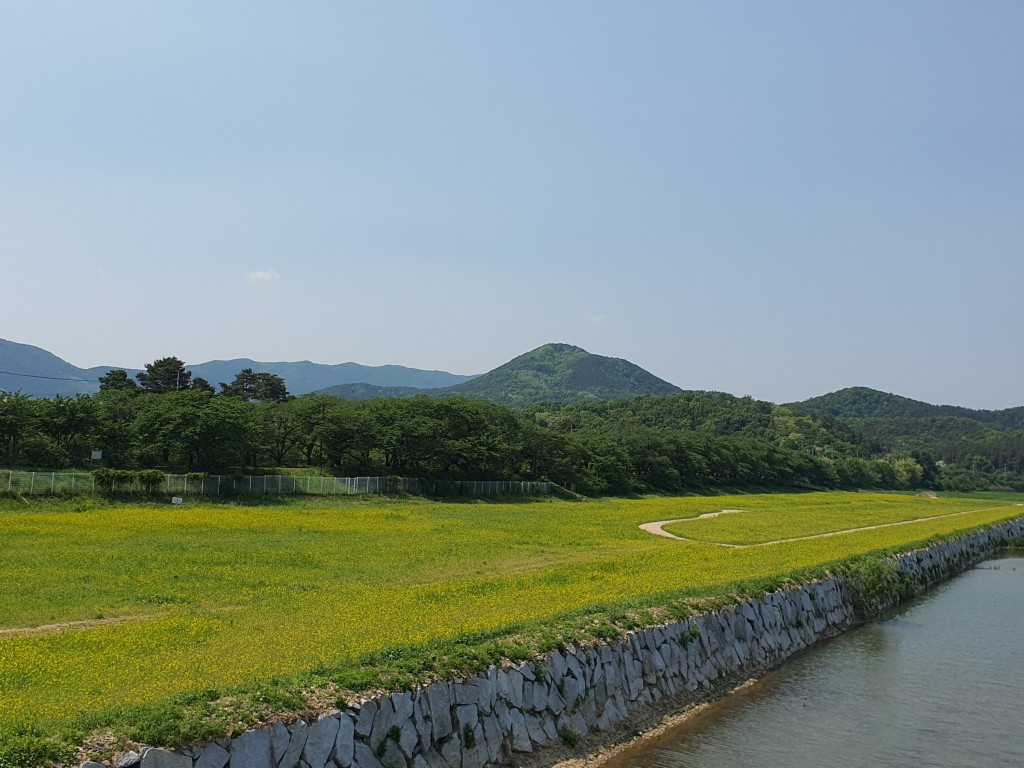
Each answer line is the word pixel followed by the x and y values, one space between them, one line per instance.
pixel 940 683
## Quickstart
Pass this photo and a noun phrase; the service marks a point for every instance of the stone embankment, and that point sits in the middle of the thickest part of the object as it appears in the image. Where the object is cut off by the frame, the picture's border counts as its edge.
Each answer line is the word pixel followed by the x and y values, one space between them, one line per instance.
pixel 497 716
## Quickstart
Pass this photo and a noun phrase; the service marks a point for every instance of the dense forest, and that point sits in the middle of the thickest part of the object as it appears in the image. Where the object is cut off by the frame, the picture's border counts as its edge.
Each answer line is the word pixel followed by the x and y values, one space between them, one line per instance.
pixel 674 442
pixel 974 447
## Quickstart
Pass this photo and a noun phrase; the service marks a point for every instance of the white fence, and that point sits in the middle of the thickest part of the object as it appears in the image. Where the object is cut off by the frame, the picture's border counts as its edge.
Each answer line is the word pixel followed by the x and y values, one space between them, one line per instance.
pixel 58 483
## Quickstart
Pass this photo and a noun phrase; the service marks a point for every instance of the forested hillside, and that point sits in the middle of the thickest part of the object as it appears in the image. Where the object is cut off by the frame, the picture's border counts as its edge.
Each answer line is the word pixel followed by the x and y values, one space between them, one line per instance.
pixel 562 373
pixel 975 448
pixel 855 403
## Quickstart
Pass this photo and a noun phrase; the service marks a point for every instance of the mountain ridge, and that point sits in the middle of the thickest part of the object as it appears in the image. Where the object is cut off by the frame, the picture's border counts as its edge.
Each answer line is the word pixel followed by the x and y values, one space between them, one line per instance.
pixel 858 403
pixel 40 373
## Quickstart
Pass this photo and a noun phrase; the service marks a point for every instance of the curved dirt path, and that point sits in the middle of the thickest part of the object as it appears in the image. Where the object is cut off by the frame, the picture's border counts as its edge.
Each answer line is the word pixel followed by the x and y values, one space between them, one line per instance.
pixel 657 530
pixel 90 623
pixel 82 624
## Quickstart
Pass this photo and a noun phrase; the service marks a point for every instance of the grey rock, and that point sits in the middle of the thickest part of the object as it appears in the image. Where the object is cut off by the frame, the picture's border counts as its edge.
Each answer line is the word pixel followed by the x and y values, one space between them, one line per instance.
pixel 611 675
pixel 128 760
pixel 540 696
pixel 382 723
pixel 92 764
pixel 433 759
pixel 161 758
pixel 512 691
pixel 451 751
pixel 403 706
pixel 367 714
pixel 571 690
pixel 297 741
pixel 279 738
pixel 536 729
pixel 393 757
pixel 488 691
pixel 408 738
pixel 214 756
pixel 580 724
pixel 504 715
pixel 547 722
pixel 589 711
pixel 364 757
pixel 467 715
pixel 320 742
pixel 575 668
pixel 250 750
pixel 440 710
pixel 555 702
pixel 475 756
pixel 420 762
pixel 465 693
pixel 493 736
pixel 421 722
pixel 560 664
pixel 520 733
pixel 345 743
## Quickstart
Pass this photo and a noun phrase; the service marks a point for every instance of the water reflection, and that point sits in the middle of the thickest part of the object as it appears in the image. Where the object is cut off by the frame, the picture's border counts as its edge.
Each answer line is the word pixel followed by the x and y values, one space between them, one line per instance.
pixel 939 684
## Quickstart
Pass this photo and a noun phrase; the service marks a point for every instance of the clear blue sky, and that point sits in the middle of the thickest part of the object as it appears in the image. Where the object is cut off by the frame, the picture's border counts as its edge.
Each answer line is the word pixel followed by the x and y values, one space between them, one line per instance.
pixel 775 199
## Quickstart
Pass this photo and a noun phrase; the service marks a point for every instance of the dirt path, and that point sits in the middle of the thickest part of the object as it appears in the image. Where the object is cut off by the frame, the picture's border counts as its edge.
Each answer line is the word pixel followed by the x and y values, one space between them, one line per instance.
pixel 89 623
pixel 656 528
pixel 83 624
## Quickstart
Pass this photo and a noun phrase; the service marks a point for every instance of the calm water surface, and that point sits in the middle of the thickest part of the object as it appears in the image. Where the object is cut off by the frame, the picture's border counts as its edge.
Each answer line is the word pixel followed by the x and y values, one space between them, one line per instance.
pixel 939 684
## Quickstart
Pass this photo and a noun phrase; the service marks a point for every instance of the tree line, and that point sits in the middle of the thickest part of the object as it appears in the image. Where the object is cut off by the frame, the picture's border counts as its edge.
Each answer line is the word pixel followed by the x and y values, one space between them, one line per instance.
pixel 687 441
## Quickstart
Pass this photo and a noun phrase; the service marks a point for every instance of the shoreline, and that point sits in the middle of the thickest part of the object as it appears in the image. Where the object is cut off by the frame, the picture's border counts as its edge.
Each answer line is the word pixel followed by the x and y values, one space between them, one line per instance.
pixel 659 720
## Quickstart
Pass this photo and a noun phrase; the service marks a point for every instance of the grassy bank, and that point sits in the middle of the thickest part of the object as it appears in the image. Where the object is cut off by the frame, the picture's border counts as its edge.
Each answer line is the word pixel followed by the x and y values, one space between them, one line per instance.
pixel 141 618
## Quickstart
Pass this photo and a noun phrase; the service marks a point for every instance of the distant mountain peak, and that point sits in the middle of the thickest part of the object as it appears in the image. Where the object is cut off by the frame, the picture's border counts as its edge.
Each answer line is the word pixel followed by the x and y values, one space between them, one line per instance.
pixel 563 373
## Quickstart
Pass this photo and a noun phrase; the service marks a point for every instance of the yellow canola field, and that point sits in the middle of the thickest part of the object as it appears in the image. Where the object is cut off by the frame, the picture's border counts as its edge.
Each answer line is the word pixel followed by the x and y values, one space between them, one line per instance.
pixel 180 600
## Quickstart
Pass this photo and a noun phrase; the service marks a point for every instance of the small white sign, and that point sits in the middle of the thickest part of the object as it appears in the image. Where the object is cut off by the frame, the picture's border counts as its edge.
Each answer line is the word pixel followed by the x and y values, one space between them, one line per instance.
pixel 177 500
pixel 97 455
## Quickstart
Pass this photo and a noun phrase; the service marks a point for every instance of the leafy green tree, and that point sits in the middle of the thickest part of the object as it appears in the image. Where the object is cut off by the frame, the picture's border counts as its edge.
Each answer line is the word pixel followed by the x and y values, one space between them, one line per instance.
pixel 117 379
pixel 116 430
pixel 279 430
pixel 167 374
pixel 194 430
pixel 18 423
pixel 69 423
pixel 256 387
pixel 202 385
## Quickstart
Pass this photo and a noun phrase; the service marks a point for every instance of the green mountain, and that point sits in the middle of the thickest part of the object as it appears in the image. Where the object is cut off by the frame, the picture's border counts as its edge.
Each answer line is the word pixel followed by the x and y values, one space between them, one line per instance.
pixel 856 403
pixel 714 414
pixel 562 373
pixel 966 440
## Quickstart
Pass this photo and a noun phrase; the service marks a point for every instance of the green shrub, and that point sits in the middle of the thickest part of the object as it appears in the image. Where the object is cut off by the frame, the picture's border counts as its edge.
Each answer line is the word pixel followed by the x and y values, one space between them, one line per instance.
pixel 26 749
pixel 571 736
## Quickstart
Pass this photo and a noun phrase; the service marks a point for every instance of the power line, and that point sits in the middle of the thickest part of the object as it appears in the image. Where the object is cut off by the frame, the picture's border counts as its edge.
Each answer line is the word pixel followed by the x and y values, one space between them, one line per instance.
pixel 37 376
